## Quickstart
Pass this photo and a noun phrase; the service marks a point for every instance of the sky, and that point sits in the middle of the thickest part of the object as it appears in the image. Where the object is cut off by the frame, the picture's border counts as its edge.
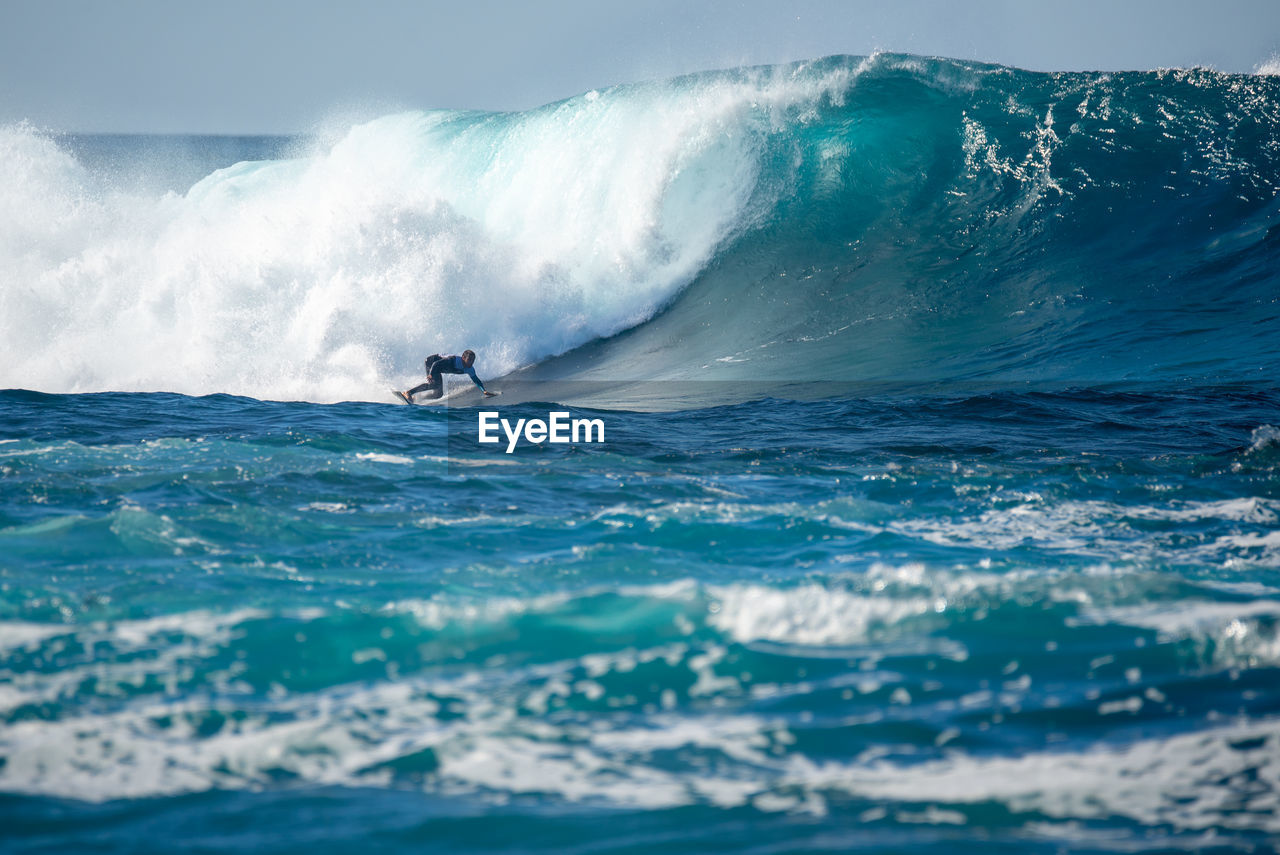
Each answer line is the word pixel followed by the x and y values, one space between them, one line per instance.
pixel 287 66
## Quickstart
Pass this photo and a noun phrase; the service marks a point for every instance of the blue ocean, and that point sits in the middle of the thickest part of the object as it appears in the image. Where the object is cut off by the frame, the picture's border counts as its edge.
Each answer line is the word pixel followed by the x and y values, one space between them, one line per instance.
pixel 934 506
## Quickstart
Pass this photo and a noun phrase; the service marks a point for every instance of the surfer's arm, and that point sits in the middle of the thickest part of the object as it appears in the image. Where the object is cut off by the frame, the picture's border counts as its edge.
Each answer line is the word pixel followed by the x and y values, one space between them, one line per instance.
pixel 471 372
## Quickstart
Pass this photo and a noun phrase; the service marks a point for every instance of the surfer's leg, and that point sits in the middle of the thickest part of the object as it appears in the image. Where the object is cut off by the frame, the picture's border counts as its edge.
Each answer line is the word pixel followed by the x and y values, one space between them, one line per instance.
pixel 434 387
pixel 434 381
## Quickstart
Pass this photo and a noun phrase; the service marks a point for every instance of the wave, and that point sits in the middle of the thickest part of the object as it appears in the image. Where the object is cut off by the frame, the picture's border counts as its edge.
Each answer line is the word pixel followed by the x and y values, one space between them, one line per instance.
pixel 889 218
pixel 665 697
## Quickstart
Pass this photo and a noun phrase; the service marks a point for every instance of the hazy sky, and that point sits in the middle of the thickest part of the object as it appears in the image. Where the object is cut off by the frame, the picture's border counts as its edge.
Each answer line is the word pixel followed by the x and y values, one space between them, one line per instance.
pixel 259 66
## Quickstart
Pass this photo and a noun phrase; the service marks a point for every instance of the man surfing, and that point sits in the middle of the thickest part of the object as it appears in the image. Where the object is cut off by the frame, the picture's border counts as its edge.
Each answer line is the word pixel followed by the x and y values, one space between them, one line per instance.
pixel 437 367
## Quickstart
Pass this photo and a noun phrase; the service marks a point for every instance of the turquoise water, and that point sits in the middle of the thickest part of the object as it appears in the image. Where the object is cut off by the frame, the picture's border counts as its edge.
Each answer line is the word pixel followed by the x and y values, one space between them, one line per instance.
pixel 937 507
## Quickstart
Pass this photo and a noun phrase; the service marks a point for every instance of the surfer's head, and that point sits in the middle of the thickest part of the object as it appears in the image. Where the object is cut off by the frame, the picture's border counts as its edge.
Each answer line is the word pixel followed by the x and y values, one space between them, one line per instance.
pixel 468 358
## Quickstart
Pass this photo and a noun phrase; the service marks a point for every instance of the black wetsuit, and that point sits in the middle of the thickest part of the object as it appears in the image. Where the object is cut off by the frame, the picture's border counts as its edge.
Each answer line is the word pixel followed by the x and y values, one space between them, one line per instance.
pixel 437 366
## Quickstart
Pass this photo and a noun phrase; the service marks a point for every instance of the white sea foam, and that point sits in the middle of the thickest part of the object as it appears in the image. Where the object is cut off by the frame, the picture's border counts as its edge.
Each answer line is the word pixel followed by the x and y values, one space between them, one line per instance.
pixel 173 641
pixel 328 507
pixel 1269 68
pixel 378 457
pixel 437 614
pixel 19 634
pixel 1183 781
pixel 155 744
pixel 1098 530
pixel 346 735
pixel 1105 531
pixel 209 629
pixel 1183 618
pixel 1266 436
pixel 808 615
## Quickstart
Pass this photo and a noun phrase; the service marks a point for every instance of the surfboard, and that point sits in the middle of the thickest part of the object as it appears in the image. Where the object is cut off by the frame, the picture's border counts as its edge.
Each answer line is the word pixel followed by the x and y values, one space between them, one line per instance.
pixel 404 399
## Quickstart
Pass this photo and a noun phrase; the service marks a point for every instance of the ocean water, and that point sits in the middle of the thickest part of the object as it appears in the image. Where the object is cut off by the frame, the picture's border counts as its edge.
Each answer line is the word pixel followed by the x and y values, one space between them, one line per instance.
pixel 937 507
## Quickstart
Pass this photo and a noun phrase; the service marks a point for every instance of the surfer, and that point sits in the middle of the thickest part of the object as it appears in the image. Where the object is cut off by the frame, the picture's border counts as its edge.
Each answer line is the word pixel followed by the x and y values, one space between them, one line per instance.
pixel 437 367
